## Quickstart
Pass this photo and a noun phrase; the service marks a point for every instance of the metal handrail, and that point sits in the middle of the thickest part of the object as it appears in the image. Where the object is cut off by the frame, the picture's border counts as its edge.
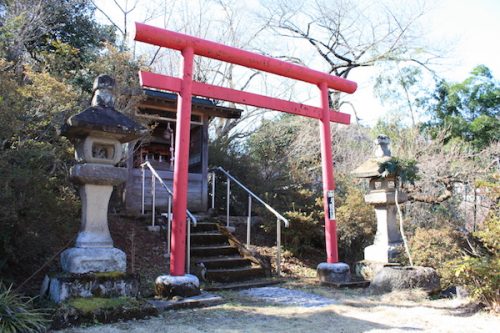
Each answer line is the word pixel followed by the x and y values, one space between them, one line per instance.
pixel 271 209
pixel 191 218
pixel 279 217
pixel 169 191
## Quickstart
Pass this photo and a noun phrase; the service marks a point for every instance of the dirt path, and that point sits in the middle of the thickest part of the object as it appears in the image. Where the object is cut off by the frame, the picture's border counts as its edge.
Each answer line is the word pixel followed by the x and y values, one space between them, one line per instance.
pixel 351 311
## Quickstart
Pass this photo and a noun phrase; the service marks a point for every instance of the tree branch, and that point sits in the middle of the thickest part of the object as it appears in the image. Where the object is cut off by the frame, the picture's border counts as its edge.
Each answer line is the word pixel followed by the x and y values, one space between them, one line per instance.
pixel 108 18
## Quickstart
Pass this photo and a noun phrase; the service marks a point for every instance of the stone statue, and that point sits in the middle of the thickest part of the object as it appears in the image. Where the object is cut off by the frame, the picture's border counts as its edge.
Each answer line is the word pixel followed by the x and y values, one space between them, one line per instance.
pixel 104 86
pixel 382 146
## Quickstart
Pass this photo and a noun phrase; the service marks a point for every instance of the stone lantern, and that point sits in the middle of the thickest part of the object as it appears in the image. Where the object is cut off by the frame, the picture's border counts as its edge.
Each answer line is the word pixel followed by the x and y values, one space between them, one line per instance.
pixel 382 196
pixel 98 134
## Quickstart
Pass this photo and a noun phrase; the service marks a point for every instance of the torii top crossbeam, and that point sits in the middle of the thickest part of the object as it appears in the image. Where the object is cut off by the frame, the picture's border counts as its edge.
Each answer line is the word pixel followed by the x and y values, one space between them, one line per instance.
pixel 186 87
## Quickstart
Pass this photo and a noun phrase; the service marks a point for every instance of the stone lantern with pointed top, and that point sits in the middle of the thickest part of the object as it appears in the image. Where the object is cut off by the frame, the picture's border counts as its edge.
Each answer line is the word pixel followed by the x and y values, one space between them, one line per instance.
pixel 382 196
pixel 98 134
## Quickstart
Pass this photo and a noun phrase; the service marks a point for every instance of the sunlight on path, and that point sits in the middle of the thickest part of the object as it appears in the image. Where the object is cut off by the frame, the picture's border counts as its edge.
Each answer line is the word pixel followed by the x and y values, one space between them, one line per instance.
pixel 287 297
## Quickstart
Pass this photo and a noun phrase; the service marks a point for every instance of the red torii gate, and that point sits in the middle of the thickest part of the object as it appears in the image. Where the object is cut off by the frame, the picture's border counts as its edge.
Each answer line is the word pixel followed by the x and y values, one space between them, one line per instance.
pixel 186 87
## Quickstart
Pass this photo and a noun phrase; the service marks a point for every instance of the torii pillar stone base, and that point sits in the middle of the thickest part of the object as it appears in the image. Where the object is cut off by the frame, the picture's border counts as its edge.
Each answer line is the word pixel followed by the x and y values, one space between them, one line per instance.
pixel 334 273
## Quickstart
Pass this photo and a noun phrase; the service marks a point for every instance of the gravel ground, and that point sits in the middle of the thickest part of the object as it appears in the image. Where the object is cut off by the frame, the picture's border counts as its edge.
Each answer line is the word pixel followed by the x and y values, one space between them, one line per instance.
pixel 299 307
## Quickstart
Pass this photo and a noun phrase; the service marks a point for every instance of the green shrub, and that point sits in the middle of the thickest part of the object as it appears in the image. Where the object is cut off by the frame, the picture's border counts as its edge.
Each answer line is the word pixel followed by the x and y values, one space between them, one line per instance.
pixel 481 277
pixel 356 225
pixel 479 272
pixel 39 208
pixel 305 232
pixel 17 313
pixel 434 247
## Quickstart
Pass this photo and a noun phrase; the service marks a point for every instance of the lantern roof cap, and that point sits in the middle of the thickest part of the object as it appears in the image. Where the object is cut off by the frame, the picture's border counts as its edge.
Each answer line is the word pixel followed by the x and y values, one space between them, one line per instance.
pixel 382 153
pixel 102 116
pixel 103 119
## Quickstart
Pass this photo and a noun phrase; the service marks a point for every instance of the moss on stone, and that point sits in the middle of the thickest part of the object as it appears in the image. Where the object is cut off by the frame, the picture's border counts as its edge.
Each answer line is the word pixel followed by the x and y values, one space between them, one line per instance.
pixel 93 276
pixel 92 304
pixel 78 311
pixel 110 275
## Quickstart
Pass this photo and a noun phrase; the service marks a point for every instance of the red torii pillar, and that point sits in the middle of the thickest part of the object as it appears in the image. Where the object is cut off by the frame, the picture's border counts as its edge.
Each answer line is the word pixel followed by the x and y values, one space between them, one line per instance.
pixel 186 87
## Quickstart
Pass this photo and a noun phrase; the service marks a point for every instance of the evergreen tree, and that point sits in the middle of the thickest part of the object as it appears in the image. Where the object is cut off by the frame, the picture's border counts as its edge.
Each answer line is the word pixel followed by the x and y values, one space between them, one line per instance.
pixel 469 110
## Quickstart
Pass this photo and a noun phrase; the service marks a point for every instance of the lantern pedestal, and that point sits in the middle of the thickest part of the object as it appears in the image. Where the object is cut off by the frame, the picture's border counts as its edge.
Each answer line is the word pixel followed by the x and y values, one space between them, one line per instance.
pixel 94 251
pixel 86 260
pixel 386 246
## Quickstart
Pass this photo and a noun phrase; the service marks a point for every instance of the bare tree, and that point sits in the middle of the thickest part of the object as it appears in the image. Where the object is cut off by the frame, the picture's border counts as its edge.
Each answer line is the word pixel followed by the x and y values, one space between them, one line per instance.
pixel 226 22
pixel 351 146
pixel 126 9
pixel 29 21
pixel 352 34
pixel 234 32
pixel 442 169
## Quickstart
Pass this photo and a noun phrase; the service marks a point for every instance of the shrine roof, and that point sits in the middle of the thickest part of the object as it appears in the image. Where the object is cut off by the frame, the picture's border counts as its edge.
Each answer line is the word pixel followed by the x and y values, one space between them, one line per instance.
pixel 157 98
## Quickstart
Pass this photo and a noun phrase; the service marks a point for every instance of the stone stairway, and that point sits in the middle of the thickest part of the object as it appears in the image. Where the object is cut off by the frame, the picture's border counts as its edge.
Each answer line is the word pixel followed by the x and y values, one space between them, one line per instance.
pixel 217 257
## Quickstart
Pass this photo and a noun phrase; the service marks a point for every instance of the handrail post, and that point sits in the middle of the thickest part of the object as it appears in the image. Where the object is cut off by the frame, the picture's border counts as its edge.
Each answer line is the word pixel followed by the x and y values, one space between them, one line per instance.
pixel 213 189
pixel 153 198
pixel 169 223
pixel 278 247
pixel 143 188
pixel 155 176
pixel 228 200
pixel 188 246
pixel 249 220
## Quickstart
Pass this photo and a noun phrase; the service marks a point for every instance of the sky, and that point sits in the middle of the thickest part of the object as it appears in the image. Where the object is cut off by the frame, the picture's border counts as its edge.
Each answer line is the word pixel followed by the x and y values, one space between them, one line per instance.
pixel 475 24
pixel 469 29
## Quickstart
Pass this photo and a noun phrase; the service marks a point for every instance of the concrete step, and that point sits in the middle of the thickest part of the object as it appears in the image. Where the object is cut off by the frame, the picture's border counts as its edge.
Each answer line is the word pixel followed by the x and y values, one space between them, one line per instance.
pixel 205 227
pixel 257 283
pixel 214 250
pixel 208 238
pixel 234 274
pixel 224 262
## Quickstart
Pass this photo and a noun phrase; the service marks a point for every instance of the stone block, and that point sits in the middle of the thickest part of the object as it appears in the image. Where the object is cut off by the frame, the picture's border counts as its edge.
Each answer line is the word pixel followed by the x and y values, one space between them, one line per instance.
pixel 401 278
pixel 113 284
pixel 154 228
pixel 97 174
pixel 86 260
pixel 385 197
pixel 368 269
